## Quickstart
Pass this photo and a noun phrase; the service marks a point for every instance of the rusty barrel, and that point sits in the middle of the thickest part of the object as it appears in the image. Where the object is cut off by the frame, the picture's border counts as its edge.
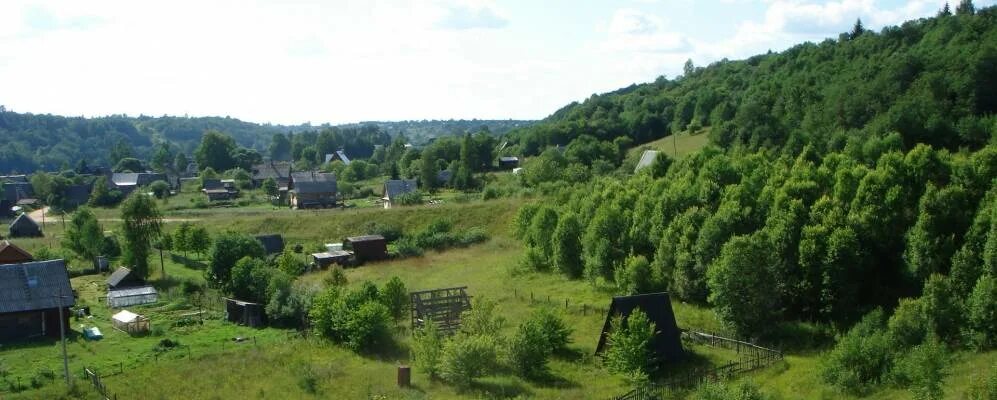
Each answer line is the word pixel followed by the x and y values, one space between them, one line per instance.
pixel 404 376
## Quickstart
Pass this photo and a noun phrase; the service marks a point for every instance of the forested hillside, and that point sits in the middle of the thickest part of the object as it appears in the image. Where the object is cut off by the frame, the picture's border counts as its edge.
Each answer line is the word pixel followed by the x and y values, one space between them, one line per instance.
pixel 846 181
pixel 930 80
pixel 48 142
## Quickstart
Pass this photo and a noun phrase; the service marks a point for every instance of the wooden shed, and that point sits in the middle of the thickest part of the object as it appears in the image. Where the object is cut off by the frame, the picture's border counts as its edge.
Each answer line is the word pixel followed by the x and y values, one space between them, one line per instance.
pixel 368 247
pixel 24 226
pixel 123 278
pixel 245 313
pixel 667 343
pixel 272 244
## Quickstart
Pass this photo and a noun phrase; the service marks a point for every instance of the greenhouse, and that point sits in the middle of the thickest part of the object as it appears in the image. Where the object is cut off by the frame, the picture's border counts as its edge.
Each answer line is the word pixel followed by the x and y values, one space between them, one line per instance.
pixel 132 296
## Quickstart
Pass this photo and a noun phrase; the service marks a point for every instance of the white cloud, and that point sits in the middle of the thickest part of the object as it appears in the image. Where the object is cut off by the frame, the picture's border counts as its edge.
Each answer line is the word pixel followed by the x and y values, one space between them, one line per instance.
pixel 472 15
pixel 630 30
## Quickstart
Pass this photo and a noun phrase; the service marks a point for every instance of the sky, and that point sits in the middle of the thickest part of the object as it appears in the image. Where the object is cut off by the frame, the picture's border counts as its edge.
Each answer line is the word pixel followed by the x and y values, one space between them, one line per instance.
pixel 299 61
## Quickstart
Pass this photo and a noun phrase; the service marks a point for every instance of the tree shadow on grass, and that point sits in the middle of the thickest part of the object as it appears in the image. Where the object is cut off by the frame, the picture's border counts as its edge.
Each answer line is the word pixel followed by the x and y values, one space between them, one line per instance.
pixel 497 389
pixel 548 380
pixel 188 262
pixel 388 351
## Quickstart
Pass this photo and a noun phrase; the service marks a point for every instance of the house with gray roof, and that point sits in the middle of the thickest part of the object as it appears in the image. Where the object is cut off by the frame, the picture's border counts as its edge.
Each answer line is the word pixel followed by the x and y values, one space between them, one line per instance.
pixel 313 189
pixel 338 155
pixel 397 187
pixel 31 295
pixel 279 171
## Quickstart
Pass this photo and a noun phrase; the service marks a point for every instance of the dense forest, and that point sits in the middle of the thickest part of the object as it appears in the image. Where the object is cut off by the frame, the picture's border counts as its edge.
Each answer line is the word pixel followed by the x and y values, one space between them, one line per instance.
pixel 851 180
pixel 48 142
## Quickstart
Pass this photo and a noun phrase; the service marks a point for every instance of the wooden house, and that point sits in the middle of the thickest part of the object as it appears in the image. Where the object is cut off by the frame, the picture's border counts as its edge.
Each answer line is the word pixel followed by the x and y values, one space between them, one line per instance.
pixel 367 248
pixel 313 190
pixel 32 294
pixel 666 345
pixel 24 226
pixel 11 254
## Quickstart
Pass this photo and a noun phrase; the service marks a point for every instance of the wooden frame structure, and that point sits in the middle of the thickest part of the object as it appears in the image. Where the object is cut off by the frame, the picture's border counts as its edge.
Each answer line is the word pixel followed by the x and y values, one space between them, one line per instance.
pixel 441 306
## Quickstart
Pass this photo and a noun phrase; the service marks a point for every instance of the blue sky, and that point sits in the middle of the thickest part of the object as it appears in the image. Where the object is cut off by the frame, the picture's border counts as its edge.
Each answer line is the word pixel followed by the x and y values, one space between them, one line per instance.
pixel 344 61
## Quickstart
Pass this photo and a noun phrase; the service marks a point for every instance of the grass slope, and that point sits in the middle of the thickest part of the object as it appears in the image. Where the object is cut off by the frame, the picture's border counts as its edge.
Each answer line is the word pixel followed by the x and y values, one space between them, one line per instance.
pixel 675 145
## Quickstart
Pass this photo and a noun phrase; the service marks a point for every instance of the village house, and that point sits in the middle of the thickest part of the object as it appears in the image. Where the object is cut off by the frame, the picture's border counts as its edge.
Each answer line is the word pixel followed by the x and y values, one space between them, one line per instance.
pixel 279 171
pixel 338 155
pixel 397 187
pixel 313 190
pixel 219 190
pixel 32 294
pixel 11 254
pixel 127 182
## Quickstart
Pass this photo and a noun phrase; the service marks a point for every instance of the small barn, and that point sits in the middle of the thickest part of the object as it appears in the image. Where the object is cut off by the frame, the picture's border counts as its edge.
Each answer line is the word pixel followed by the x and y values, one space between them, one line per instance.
pixel 131 323
pixel 11 254
pixel 32 294
pixel 367 247
pixel 272 244
pixel 123 278
pixel 132 296
pixel 396 187
pixel 646 159
pixel 667 343
pixel 313 190
pixel 245 313
pixel 508 162
pixel 24 226
pixel 127 182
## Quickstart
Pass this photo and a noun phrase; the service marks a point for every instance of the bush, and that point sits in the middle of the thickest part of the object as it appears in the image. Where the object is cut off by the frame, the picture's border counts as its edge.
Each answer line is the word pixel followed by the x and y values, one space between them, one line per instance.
pixel 629 350
pixel 482 319
pixel 533 260
pixel 472 236
pixel 467 357
pixel 556 335
pixel 291 264
pixel 369 327
pixel 862 357
pixel 491 193
pixel 407 247
pixel 635 277
pixel 396 297
pixel 922 369
pixel 160 189
pixel 427 348
pixel 982 310
pixel 409 199
pixel 391 232
pixel 528 351
pixel 722 391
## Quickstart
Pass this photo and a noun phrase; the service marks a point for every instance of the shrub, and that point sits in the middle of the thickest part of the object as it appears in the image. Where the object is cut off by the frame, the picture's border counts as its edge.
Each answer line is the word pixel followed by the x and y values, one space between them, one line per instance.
pixel 908 324
pixel 629 350
pixel 921 370
pixel 336 277
pixel 468 357
pixel 556 335
pixel 369 326
pixel 747 390
pixel 427 348
pixel 407 247
pixel 409 199
pixel 291 264
pixel 533 260
pixel 391 232
pixel 635 277
pixel 395 297
pixel 528 351
pixel 862 357
pixel 482 319
pixel 159 189
pixel 490 193
pixel 472 236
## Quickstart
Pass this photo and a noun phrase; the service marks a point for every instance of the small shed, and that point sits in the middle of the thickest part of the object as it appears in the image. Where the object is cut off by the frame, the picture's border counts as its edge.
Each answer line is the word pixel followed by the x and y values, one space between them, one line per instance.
pixel 129 322
pixel 667 343
pixel 11 254
pixel 132 296
pixel 24 226
pixel 327 258
pixel 272 244
pixel 368 247
pixel 122 278
pixel 245 313
pixel 508 162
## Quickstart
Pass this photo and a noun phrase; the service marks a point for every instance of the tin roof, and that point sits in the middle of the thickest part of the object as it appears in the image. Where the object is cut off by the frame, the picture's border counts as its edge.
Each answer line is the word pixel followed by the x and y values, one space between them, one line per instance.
pixel 35 285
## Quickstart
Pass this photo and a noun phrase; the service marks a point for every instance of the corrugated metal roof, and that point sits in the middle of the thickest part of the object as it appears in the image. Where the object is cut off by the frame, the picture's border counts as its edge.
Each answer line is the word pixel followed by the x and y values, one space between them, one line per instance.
pixel 35 286
pixel 117 276
pixel 365 238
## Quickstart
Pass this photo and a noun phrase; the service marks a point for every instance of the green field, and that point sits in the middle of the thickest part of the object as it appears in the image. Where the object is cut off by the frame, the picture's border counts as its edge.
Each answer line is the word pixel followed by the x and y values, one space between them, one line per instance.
pixel 277 363
pixel 677 145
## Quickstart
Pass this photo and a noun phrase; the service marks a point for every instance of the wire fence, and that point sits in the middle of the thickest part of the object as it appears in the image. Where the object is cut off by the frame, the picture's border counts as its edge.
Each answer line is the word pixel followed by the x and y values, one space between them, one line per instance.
pixel 569 306
pixel 98 384
pixel 750 357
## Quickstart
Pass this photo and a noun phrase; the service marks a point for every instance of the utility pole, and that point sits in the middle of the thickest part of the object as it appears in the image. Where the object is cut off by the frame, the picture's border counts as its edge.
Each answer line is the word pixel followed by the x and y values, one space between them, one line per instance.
pixel 162 264
pixel 62 336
